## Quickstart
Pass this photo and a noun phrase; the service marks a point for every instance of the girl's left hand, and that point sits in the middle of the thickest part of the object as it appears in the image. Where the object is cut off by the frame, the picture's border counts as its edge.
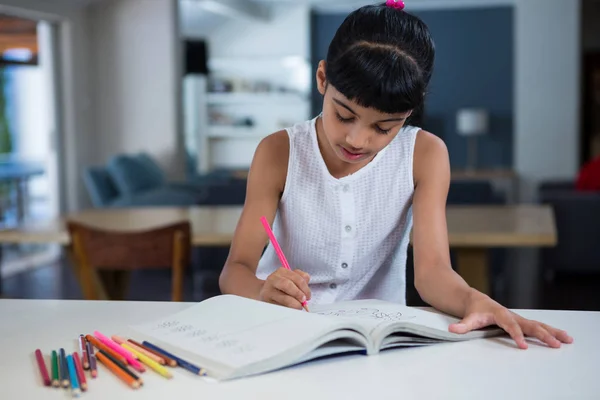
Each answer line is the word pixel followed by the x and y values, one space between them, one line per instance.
pixel 484 312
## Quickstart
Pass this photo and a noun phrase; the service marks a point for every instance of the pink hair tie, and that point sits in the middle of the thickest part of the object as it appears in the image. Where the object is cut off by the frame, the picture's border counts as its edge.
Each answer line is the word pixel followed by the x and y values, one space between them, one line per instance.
pixel 397 4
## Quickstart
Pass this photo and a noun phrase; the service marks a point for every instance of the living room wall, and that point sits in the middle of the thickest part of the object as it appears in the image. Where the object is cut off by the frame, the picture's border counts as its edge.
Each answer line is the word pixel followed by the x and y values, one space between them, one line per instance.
pixel 471 70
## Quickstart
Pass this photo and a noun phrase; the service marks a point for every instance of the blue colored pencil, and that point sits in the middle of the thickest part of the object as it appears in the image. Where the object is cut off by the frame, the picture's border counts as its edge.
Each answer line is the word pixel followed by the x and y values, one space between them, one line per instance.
pixel 64 372
pixel 182 363
pixel 73 376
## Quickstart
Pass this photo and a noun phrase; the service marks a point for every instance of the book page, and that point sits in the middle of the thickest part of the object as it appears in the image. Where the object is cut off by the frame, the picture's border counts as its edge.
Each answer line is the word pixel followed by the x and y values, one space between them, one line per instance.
pixel 383 318
pixel 230 332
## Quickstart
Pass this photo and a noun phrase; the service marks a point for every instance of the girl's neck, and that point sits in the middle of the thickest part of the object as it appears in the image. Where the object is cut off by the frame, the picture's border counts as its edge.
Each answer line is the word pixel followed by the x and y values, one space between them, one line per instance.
pixel 337 168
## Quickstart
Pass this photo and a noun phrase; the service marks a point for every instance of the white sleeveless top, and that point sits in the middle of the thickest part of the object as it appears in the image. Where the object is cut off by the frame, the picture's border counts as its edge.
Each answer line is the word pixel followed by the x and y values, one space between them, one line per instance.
pixel 350 234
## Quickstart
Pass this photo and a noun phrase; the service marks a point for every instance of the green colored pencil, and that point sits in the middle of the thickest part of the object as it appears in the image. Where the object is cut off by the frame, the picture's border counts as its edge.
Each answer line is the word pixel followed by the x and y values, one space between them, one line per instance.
pixel 55 380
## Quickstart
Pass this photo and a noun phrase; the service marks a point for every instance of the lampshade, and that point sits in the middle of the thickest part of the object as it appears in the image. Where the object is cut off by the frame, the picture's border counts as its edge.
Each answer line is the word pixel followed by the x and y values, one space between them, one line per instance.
pixel 472 121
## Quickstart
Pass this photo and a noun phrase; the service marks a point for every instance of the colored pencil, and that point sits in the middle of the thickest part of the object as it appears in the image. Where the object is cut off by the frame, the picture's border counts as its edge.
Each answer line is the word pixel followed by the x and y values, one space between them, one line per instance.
pixel 182 363
pixel 101 346
pixel 85 361
pixel 278 250
pixel 42 367
pixel 55 381
pixel 93 368
pixel 148 361
pixel 80 373
pixel 123 366
pixel 92 358
pixel 73 376
pixel 138 350
pixel 128 356
pixel 64 372
pixel 168 361
pixel 133 383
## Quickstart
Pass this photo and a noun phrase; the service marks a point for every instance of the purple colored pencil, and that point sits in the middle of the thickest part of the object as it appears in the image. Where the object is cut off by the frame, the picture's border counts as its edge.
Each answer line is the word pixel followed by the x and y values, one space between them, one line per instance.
pixel 85 361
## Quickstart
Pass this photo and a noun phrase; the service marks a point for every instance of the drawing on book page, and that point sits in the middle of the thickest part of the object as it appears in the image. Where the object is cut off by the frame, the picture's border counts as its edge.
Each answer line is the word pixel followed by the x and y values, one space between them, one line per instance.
pixel 367 313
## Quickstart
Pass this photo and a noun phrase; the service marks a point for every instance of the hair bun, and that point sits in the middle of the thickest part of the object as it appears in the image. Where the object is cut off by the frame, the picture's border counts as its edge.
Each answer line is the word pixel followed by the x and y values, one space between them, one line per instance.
pixel 397 4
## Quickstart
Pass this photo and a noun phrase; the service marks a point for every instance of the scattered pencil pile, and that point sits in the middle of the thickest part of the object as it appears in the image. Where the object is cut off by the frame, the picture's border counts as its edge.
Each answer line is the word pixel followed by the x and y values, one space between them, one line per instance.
pixel 125 358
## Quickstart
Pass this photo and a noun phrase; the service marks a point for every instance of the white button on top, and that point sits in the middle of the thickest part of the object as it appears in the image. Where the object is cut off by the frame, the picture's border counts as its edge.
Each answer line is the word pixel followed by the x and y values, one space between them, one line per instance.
pixel 348 228
pixel 346 188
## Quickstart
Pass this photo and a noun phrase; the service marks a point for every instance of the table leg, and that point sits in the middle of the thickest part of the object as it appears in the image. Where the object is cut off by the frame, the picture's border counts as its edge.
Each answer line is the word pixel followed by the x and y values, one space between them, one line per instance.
pixel 473 266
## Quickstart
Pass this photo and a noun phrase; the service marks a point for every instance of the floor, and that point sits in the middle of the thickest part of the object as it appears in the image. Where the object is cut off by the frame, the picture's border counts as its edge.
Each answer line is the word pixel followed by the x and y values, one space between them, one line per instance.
pixel 56 281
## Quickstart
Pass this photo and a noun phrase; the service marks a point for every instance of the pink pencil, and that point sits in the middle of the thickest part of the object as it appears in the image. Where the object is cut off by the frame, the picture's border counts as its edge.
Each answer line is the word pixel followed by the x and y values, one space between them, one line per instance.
pixel 128 356
pixel 278 250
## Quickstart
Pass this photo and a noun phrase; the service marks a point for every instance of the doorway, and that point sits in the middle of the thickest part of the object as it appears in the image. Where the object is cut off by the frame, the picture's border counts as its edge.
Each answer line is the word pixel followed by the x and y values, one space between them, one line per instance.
pixel 29 164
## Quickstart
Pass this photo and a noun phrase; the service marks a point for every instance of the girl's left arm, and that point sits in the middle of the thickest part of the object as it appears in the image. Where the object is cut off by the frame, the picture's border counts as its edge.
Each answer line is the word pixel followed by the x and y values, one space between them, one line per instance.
pixel 435 280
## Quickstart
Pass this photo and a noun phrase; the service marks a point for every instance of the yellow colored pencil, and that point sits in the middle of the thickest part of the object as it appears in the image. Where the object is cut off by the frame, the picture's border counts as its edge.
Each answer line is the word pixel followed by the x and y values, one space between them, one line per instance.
pixel 148 361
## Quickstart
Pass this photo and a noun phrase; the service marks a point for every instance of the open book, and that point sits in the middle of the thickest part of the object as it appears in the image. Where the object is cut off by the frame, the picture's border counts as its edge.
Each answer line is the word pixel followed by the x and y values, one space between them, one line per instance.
pixel 233 337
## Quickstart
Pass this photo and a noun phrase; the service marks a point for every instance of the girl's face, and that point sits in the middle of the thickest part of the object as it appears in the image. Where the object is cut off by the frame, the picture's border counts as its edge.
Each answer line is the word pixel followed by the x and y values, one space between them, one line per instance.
pixel 354 133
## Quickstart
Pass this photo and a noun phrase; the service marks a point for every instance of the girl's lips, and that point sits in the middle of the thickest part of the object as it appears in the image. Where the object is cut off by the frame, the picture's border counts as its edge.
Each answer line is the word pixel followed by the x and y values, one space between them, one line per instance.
pixel 351 156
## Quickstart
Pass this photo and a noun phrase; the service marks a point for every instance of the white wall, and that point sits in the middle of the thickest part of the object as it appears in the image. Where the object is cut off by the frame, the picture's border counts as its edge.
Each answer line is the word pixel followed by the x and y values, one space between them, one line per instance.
pixel 286 33
pixel 136 80
pixel 548 58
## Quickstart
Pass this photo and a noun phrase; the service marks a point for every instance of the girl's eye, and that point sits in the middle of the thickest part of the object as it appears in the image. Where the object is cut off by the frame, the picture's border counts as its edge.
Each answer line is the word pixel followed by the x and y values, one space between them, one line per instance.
pixel 382 131
pixel 342 119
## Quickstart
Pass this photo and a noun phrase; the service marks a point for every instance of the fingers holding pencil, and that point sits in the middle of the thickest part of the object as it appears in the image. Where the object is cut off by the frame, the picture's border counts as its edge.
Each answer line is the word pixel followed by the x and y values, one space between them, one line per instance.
pixel 287 288
pixel 300 283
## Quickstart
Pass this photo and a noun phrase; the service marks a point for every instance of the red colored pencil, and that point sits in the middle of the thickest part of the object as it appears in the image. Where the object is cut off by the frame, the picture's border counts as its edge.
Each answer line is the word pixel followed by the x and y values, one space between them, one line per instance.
pixel 42 367
pixel 79 370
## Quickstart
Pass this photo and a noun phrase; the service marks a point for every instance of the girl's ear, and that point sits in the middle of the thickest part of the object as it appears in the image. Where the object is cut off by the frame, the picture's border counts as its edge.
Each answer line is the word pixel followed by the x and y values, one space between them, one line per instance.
pixel 321 78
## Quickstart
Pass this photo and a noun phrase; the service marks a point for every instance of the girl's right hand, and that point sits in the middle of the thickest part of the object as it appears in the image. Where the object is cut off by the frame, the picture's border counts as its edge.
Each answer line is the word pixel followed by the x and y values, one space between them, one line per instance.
pixel 286 288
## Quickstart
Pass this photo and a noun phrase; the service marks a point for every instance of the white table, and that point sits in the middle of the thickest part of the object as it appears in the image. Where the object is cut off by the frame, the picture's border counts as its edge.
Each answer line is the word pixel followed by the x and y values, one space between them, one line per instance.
pixel 485 369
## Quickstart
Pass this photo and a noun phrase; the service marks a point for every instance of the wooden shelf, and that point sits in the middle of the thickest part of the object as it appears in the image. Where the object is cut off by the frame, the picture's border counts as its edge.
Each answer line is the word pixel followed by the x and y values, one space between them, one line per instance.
pixel 230 98
pixel 235 132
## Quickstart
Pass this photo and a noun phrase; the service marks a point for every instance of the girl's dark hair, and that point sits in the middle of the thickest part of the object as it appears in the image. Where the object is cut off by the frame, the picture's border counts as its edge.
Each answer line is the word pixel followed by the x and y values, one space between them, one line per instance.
pixel 382 58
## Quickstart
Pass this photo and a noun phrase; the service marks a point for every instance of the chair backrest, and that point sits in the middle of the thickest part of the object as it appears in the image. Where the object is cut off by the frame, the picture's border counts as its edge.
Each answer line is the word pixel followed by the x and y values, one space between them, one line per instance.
pixel 162 247
pixel 577 217
pixel 471 192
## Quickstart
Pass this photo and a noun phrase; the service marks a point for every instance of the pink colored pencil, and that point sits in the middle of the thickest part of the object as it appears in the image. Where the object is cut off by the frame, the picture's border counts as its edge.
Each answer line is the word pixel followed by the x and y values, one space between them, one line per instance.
pixel 42 366
pixel 120 350
pixel 278 250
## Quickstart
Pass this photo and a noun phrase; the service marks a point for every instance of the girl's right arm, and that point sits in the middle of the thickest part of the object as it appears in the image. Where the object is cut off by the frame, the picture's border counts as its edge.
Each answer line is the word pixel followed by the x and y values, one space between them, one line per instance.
pixel 266 181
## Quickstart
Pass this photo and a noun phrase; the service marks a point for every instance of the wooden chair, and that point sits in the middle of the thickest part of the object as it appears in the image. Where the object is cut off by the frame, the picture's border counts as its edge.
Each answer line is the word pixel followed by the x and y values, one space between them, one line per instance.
pixel 103 259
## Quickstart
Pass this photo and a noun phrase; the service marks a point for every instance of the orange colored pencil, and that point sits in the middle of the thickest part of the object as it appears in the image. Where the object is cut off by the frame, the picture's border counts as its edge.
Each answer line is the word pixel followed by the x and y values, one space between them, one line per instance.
pixel 101 346
pixel 168 361
pixel 145 352
pixel 128 379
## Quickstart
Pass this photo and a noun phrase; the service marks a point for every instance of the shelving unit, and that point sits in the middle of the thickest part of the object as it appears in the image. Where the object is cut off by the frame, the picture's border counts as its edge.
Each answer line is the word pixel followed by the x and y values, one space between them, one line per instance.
pixel 242 101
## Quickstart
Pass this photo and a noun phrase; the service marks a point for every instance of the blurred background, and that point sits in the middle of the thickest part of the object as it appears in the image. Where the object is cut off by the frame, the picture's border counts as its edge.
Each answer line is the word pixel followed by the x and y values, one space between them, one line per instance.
pixel 143 104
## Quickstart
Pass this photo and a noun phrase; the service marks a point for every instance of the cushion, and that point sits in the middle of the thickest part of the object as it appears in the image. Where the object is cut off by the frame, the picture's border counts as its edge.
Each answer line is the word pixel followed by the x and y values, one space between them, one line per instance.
pixel 132 175
pixel 152 166
pixel 100 186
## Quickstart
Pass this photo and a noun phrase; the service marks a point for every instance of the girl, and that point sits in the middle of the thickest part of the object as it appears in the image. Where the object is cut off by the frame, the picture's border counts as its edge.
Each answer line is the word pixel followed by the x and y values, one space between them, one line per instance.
pixel 343 189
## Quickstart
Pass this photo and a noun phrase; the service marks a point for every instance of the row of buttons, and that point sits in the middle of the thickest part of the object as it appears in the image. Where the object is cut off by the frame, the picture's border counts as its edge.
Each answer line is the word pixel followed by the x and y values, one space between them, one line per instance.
pixel 347 228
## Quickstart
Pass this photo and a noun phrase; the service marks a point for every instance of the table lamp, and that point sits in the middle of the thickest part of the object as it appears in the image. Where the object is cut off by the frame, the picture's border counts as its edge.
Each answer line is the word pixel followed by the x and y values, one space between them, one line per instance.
pixel 472 122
